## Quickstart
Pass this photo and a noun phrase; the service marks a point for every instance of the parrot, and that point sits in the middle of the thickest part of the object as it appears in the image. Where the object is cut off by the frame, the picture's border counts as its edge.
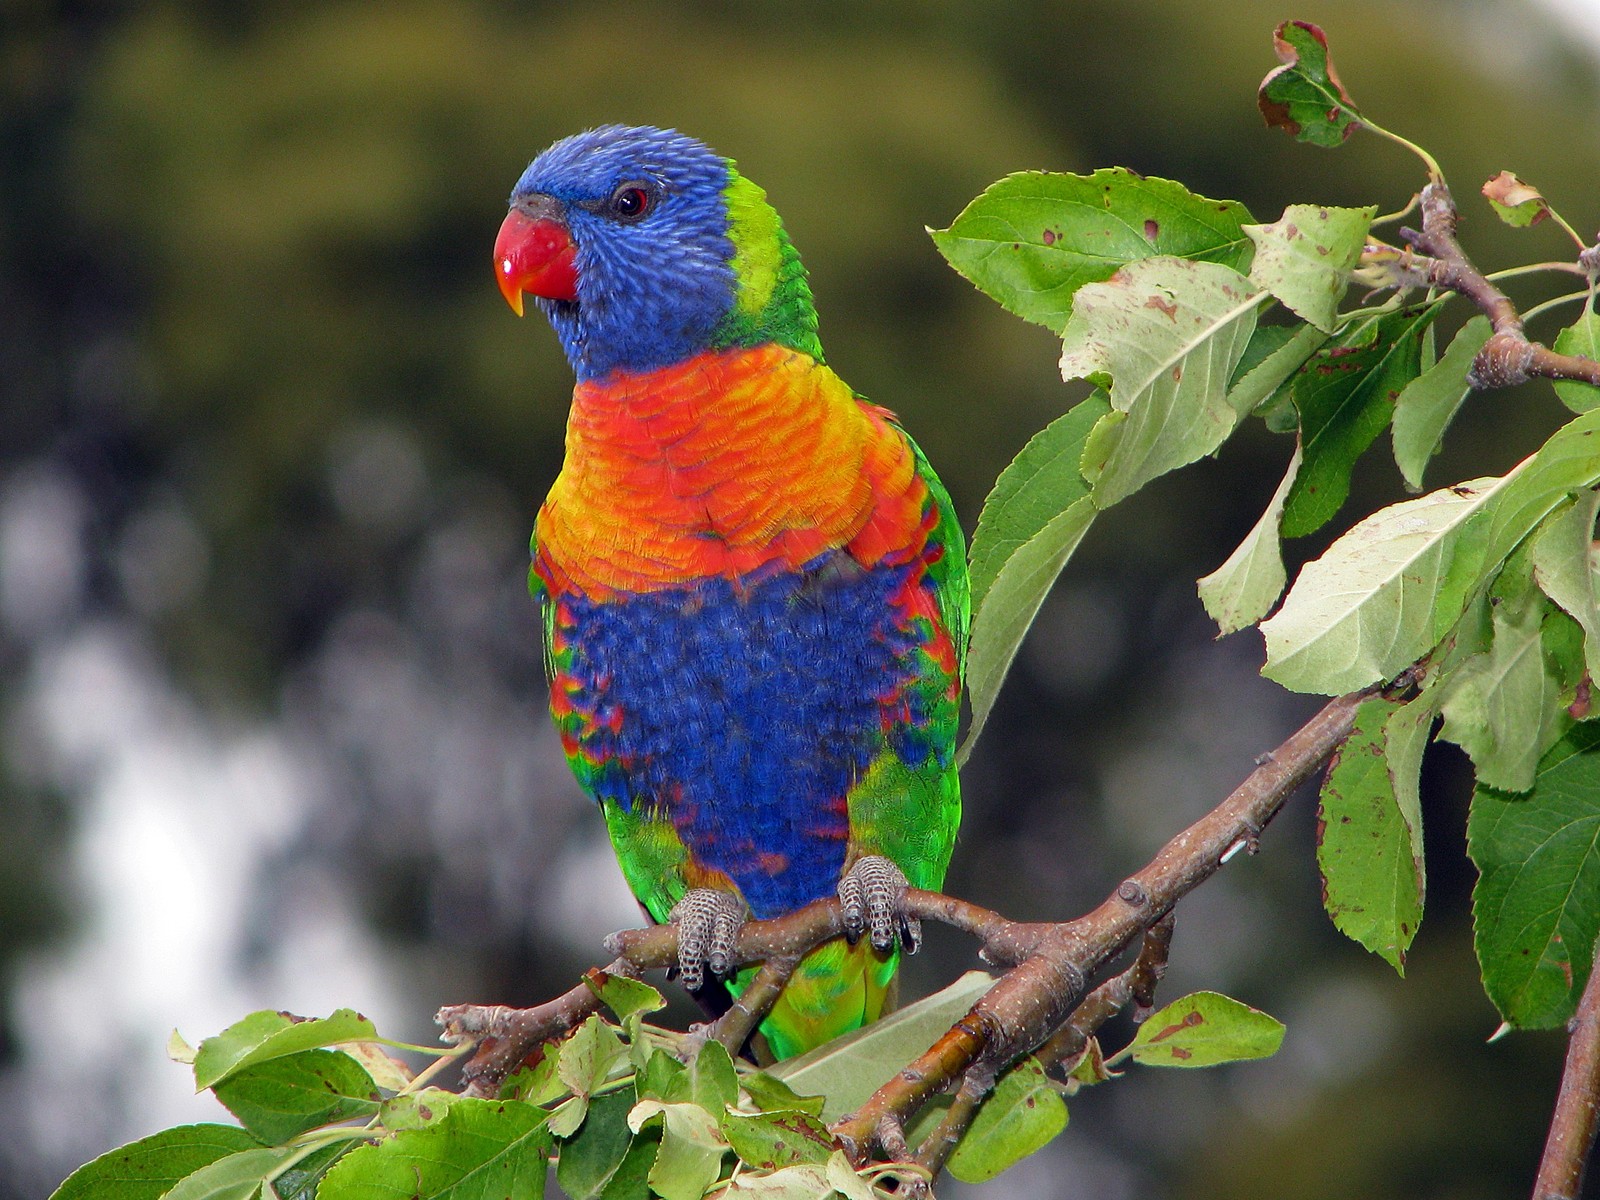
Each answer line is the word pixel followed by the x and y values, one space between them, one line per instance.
pixel 753 587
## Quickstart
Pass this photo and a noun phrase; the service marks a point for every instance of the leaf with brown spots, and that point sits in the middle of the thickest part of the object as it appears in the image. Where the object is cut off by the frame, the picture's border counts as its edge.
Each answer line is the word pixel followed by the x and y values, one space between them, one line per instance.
pixel 1304 96
pixel 1168 333
pixel 1203 1029
pixel 770 1140
pixel 1033 239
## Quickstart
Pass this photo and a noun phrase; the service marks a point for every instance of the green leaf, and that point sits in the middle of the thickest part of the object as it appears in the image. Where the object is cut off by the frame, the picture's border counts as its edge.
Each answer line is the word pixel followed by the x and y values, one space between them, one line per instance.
pixel 690 1158
pixel 589 1054
pixel 807 1181
pixel 239 1176
pixel 770 1140
pixel 418 1109
pixel 568 1116
pixel 1405 740
pixel 1019 588
pixel 709 1081
pixel 659 1076
pixel 1304 96
pixel 1387 591
pixel 1427 405
pixel 1345 397
pixel 1031 492
pixel 1024 538
pixel 631 1179
pixel 1245 587
pixel 1204 1029
pixel 1023 1114
pixel 388 1072
pixel 277 1099
pixel 1369 607
pixel 1169 333
pixel 844 1179
pixel 301 1180
pixel 479 1150
pixel 1514 202
pixel 1536 907
pixel 1273 355
pixel 590 1160
pixel 1305 258
pixel 1033 239
pixel 1566 463
pixel 1581 339
pixel 149 1168
pixel 1368 853
pixel 1565 565
pixel 1090 1068
pixel 624 996
pixel 1500 707
pixel 774 1095
pixel 849 1069
pixel 539 1083
pixel 178 1050
pixel 267 1035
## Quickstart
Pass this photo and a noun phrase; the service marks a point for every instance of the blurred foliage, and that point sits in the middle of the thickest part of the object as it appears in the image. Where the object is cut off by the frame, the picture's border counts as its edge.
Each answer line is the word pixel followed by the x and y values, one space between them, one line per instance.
pixel 247 307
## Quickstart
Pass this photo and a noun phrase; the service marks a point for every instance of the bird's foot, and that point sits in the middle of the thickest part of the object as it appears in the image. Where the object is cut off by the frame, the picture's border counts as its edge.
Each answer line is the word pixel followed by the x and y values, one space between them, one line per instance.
pixel 873 893
pixel 708 924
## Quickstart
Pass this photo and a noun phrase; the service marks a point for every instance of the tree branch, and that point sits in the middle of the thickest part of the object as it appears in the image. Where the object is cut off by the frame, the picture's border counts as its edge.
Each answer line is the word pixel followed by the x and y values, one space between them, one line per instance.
pixel 1508 357
pixel 1032 1000
pixel 1577 1115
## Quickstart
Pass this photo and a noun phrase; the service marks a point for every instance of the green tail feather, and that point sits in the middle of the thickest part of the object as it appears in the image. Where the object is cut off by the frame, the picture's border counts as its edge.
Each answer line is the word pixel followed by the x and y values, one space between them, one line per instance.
pixel 835 989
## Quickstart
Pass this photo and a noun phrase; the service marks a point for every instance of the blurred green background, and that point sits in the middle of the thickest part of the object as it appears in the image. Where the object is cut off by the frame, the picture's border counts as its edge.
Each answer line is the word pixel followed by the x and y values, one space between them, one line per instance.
pixel 271 444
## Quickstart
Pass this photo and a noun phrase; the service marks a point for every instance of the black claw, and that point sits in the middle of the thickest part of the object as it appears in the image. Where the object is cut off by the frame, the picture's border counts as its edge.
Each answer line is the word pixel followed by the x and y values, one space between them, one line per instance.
pixel 910 934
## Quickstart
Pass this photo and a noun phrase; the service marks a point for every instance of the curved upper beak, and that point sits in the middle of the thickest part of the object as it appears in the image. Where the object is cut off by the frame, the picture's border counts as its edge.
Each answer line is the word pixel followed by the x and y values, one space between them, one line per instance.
pixel 535 253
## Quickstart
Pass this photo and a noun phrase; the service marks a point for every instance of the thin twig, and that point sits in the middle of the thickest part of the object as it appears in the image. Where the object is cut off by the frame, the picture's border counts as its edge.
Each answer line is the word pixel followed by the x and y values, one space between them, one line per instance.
pixel 936 1148
pixel 734 1027
pixel 1577 1115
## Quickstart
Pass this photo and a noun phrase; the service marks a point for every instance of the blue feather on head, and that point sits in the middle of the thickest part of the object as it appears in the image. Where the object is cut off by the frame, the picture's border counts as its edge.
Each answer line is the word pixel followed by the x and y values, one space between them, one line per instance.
pixel 652 289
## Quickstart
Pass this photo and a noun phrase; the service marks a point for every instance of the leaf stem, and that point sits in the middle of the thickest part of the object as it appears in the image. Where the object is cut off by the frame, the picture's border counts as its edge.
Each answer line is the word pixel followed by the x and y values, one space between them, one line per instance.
pixel 1555 302
pixel 433 1068
pixel 1531 268
pixel 1566 225
pixel 1435 171
pixel 1401 215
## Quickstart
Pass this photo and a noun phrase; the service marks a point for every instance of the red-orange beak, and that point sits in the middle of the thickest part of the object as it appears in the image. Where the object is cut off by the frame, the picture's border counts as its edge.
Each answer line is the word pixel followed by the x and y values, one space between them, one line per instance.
pixel 534 253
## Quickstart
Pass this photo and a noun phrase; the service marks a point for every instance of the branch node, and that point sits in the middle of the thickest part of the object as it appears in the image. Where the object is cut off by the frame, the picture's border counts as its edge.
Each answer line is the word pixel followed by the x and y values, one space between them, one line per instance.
pixel 1589 260
pixel 1130 891
pixel 1503 362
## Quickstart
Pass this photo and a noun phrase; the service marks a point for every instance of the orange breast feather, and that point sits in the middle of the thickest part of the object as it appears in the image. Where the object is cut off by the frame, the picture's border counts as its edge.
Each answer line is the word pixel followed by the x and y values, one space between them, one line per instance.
pixel 719 466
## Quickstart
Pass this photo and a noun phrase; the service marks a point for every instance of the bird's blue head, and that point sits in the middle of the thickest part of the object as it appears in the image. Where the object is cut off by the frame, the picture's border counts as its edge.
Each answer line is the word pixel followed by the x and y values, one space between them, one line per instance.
pixel 643 247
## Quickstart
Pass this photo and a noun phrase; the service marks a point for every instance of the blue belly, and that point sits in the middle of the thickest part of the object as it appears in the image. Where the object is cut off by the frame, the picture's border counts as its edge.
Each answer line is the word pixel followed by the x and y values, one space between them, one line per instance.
pixel 746 712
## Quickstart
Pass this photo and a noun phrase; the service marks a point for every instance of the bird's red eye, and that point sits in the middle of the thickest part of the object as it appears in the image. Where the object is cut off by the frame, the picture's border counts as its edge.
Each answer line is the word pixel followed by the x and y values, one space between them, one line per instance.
pixel 631 201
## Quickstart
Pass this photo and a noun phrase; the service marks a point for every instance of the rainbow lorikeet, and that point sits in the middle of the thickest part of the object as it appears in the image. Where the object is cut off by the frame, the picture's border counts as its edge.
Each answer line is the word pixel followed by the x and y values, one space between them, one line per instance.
pixel 753 585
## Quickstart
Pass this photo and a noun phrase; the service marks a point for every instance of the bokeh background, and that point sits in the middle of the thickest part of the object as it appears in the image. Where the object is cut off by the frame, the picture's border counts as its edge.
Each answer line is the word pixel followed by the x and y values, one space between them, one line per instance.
pixel 270 447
